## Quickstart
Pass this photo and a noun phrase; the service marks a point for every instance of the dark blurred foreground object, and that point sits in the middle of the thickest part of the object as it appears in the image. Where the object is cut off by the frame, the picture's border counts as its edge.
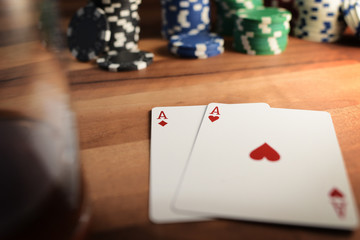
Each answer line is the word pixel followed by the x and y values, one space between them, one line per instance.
pixel 41 189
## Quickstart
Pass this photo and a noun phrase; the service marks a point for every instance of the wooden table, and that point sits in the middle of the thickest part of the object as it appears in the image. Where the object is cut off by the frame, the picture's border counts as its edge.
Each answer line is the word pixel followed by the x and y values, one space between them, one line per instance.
pixel 113 112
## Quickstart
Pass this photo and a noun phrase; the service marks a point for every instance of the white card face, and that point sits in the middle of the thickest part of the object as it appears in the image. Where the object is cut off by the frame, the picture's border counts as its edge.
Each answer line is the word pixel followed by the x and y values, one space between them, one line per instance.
pixel 229 174
pixel 173 131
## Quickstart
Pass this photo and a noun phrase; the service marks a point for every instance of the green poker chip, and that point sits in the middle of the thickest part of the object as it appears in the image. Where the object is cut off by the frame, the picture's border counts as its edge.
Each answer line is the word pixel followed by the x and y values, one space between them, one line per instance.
pixel 226 10
pixel 256 51
pixel 266 44
pixel 259 40
pixel 256 38
pixel 265 15
pixel 263 47
pixel 236 4
pixel 224 25
pixel 261 31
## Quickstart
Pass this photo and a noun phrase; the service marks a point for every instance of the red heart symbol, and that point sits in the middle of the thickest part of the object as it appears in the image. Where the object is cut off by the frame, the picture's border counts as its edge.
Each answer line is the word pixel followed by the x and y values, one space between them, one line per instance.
pixel 213 118
pixel 265 151
pixel 336 193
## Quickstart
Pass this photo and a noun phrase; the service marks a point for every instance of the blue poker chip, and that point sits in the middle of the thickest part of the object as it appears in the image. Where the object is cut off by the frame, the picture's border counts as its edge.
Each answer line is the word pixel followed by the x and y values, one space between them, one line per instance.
pixel 190 53
pixel 202 41
pixel 185 17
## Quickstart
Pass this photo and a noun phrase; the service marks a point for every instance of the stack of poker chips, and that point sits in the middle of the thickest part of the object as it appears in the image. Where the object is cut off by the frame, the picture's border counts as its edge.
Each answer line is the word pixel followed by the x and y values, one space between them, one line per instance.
pixel 110 29
pixel 88 33
pixel 123 19
pixel 319 21
pixel 351 13
pixel 262 31
pixel 122 53
pixel 226 9
pixel 180 17
pixel 186 24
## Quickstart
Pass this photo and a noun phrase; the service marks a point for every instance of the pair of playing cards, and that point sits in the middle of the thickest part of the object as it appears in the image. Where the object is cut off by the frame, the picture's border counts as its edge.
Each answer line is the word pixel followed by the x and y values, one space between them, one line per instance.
pixel 248 162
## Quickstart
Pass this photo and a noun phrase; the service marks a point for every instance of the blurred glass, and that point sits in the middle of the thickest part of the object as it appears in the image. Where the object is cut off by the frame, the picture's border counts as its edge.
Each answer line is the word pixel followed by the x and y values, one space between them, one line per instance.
pixel 41 188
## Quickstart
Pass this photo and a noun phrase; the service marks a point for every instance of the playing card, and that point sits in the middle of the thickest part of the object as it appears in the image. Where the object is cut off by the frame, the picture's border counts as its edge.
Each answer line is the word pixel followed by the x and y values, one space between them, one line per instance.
pixel 281 166
pixel 173 132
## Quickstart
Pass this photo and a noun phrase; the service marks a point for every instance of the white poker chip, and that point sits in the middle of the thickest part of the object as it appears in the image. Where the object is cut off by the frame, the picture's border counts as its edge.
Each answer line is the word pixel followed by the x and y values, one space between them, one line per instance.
pixel 320 21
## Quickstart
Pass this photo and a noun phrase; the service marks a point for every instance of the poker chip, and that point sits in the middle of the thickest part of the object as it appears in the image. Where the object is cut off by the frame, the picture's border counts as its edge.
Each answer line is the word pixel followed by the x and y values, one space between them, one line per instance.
pixel 88 33
pixel 202 45
pixel 186 24
pixel 261 46
pixel 351 13
pixel 195 41
pixel 200 54
pixel 320 21
pixel 110 28
pixel 126 61
pixel 265 15
pixel 287 4
pixel 226 10
pixel 123 19
pixel 122 52
pixel 191 17
pixel 261 31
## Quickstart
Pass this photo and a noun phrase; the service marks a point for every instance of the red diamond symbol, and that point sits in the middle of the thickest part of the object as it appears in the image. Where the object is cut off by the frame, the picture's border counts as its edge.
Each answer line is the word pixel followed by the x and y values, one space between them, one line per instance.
pixel 163 123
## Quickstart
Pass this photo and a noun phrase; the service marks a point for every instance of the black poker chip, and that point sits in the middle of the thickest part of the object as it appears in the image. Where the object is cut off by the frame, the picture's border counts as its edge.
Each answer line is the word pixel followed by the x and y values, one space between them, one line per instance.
pixel 126 61
pixel 114 3
pixel 99 3
pixel 88 33
pixel 123 20
pixel 124 33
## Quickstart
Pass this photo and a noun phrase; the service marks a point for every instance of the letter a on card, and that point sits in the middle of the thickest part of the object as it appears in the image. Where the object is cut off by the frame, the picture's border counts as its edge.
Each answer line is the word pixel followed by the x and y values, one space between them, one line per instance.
pixel 162 116
pixel 213 114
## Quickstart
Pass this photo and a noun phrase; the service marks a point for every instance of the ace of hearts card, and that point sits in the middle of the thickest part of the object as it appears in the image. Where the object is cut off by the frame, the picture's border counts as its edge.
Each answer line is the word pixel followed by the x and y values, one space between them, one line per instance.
pixel 270 165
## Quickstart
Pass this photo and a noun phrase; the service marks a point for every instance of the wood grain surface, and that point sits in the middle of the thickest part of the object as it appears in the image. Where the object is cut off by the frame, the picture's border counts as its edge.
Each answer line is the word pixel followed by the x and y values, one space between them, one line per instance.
pixel 113 112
